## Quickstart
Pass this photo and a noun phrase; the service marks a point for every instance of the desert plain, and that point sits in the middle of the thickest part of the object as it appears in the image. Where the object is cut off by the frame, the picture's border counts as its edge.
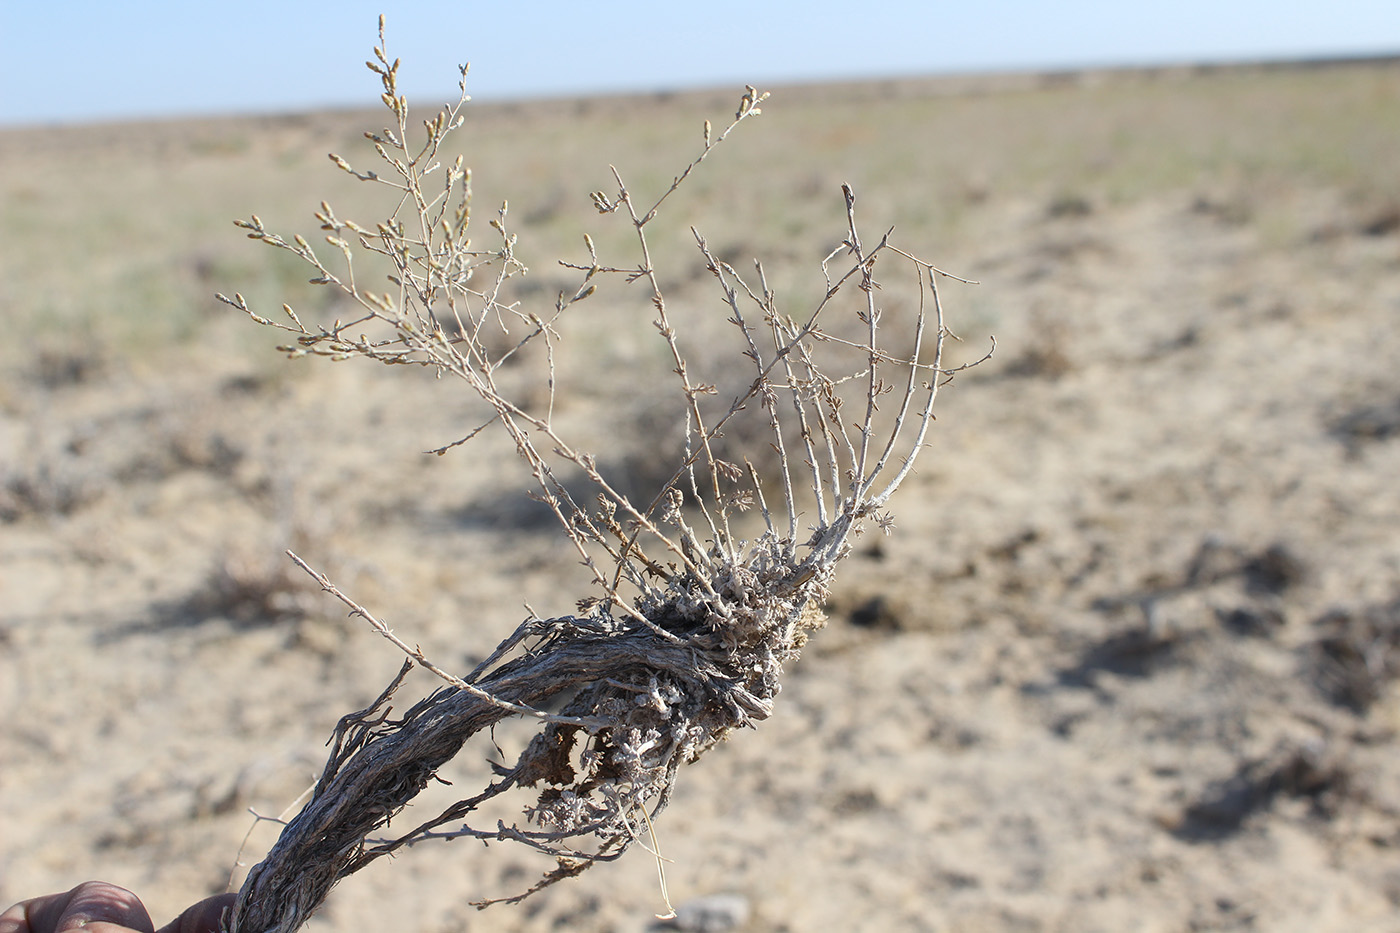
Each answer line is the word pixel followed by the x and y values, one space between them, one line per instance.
pixel 1127 660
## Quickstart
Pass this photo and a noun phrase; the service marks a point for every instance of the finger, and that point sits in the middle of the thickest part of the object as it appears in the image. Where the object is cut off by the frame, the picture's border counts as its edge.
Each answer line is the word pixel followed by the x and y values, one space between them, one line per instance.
pixel 26 916
pixel 203 917
pixel 16 918
pixel 94 906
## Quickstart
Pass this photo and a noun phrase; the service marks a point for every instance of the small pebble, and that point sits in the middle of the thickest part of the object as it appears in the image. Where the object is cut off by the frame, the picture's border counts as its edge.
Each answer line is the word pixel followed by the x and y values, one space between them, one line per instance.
pixel 716 913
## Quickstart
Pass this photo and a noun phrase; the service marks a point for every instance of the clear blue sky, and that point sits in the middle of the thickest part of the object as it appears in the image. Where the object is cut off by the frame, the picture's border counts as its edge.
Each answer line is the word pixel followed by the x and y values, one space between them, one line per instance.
pixel 75 60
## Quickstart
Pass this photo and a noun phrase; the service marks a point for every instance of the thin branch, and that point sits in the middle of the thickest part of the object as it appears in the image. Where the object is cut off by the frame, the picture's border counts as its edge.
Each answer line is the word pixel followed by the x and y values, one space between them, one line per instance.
pixel 418 658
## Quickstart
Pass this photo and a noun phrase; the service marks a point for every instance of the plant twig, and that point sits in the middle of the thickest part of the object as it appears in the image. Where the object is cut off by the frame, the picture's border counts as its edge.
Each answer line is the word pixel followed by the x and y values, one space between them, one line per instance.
pixel 686 633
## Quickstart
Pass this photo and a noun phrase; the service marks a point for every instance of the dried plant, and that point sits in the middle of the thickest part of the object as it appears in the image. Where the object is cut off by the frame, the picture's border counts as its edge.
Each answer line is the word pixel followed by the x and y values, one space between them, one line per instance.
pixel 685 635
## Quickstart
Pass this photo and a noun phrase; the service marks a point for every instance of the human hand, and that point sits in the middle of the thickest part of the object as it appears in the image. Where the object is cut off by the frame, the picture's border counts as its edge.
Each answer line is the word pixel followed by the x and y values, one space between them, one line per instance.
pixel 98 907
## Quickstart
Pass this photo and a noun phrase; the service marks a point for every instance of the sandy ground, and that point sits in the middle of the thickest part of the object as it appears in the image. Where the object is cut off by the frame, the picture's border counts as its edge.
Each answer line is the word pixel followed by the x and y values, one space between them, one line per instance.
pixel 1125 664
